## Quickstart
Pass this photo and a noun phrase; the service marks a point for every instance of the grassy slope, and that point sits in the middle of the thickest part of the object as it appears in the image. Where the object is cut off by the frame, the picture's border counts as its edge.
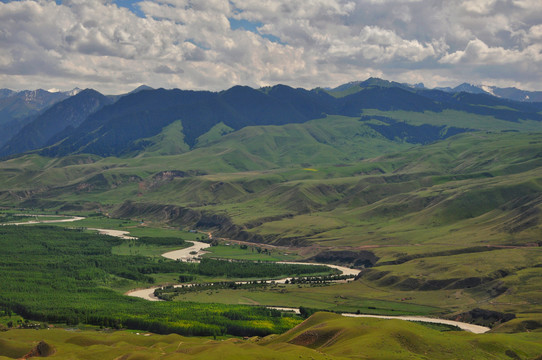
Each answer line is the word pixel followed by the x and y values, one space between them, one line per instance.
pixel 169 142
pixel 323 336
pixel 488 195
pixel 395 339
pixel 457 119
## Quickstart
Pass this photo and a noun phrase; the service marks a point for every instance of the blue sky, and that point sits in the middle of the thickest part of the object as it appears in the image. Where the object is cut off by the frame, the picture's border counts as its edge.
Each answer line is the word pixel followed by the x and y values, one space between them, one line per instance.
pixel 131 5
pixel 115 46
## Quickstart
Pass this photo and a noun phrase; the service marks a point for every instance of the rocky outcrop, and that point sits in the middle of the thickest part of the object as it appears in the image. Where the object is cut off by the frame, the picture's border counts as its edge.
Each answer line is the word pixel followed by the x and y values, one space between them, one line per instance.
pixel 385 278
pixel 41 350
pixel 350 258
pixel 186 217
pixel 484 317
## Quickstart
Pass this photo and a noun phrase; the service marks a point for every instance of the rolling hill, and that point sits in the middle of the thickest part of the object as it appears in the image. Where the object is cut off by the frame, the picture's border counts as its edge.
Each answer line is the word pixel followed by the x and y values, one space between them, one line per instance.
pixel 323 336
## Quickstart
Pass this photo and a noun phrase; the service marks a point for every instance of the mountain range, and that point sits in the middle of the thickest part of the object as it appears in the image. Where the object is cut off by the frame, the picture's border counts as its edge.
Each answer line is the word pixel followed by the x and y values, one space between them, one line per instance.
pixel 510 93
pixel 19 108
pixel 21 104
pixel 90 122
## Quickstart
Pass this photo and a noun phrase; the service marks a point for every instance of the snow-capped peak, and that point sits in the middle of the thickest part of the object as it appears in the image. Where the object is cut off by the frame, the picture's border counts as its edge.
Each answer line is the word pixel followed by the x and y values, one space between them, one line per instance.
pixel 488 89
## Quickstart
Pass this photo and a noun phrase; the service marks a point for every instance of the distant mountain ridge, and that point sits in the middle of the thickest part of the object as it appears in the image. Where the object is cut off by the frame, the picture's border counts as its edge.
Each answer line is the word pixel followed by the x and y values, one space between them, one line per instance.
pixel 510 93
pixel 69 113
pixel 4 93
pixel 35 126
pixel 116 128
pixel 113 129
pixel 128 124
pixel 484 94
pixel 370 82
pixel 24 103
pixel 33 99
pixel 19 108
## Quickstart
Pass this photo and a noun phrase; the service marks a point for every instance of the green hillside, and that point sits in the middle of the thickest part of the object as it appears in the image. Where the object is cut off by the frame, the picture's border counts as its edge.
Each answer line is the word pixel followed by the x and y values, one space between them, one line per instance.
pixel 323 336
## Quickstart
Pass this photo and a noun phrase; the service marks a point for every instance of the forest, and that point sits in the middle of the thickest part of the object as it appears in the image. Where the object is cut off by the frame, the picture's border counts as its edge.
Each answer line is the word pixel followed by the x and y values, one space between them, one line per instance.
pixel 58 275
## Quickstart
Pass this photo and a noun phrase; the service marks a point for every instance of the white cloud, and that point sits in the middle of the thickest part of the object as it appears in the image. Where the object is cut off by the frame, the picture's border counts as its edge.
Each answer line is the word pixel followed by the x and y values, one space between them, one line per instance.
pixel 478 53
pixel 479 6
pixel 535 33
pixel 189 43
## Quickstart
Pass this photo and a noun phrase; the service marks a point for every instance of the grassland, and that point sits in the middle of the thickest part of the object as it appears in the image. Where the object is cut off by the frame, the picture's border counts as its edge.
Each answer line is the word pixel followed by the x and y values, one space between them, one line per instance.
pixel 340 298
pixel 323 336
pixel 457 118
pixel 249 252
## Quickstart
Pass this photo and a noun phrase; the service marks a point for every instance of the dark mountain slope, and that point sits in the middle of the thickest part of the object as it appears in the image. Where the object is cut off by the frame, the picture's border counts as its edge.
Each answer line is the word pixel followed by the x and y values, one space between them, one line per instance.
pixel 122 127
pixel 113 129
pixel 4 93
pixel 386 99
pixel 68 113
pixel 12 127
pixel 278 105
pixel 253 107
pixel 310 103
pixel 136 116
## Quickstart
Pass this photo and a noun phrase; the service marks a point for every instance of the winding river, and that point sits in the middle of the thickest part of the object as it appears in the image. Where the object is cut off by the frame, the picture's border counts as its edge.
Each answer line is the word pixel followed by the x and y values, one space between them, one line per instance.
pixel 193 253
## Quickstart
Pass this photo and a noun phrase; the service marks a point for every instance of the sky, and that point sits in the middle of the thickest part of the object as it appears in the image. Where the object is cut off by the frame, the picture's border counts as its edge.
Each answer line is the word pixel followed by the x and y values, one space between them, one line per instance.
pixel 115 46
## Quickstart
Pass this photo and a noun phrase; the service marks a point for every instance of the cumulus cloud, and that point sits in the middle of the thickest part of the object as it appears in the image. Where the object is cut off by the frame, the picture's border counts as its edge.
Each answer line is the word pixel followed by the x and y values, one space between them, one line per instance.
pixel 192 44
pixel 479 6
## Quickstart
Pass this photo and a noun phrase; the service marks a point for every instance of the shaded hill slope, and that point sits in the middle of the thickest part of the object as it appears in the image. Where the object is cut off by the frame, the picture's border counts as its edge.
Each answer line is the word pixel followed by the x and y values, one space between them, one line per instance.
pixel 144 114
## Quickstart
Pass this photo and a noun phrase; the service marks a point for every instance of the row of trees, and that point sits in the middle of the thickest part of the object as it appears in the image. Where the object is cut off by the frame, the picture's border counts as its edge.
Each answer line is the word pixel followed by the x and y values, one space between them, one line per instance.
pixel 169 292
